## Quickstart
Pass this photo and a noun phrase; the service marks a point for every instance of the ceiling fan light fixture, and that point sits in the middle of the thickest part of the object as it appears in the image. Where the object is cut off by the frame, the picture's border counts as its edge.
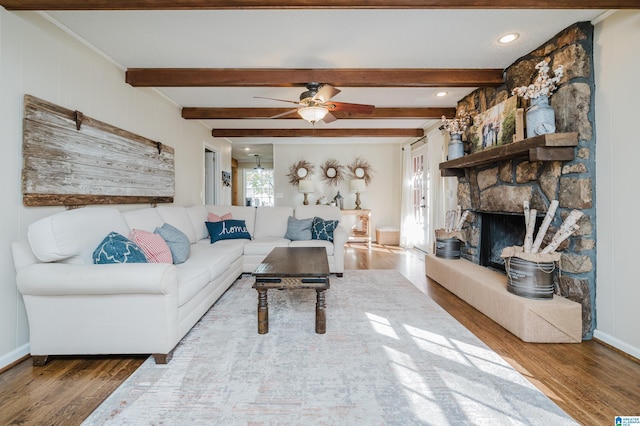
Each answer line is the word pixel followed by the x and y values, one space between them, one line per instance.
pixel 313 113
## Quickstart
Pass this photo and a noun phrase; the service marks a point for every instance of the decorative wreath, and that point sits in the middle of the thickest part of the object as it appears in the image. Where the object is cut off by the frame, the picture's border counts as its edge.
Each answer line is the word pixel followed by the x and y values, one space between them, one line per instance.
pixel 361 169
pixel 332 172
pixel 299 171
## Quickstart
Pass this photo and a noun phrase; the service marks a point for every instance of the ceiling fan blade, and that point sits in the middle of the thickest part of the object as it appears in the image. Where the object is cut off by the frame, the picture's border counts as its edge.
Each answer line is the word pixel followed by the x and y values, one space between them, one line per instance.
pixel 325 93
pixel 279 100
pixel 285 113
pixel 329 118
pixel 343 106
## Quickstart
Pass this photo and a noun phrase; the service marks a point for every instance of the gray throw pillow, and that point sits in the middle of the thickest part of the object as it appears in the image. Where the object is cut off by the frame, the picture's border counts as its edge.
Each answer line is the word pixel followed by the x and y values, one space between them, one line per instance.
pixel 177 241
pixel 298 229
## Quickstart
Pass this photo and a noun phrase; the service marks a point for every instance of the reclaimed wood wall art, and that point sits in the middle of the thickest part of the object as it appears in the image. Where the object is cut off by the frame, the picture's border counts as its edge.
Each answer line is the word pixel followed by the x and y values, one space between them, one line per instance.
pixel 70 159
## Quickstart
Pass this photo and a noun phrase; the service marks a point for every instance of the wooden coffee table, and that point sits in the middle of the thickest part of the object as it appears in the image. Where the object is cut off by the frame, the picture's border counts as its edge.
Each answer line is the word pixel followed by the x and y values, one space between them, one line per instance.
pixel 289 268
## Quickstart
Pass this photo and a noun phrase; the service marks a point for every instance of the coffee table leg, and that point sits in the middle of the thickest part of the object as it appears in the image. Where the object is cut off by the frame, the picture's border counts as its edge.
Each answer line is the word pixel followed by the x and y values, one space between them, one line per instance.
pixel 321 317
pixel 263 312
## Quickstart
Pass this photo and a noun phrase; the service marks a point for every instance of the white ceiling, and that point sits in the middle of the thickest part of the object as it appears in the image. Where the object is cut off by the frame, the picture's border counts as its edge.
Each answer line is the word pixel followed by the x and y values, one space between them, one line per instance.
pixel 422 38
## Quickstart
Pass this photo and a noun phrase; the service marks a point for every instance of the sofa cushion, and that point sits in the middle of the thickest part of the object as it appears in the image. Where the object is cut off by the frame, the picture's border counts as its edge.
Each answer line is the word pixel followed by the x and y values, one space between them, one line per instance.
pixel 198 216
pixel 177 241
pixel 228 230
pixel 298 229
pixel 191 280
pixel 226 251
pixel 263 246
pixel 271 221
pixel 177 217
pixel 146 219
pixel 323 229
pixel 215 258
pixel 155 248
pixel 71 236
pixel 116 248
pixel 328 245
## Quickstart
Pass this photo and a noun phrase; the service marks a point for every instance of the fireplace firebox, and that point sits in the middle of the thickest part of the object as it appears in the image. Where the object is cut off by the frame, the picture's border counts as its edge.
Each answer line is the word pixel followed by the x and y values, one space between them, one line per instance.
pixel 500 230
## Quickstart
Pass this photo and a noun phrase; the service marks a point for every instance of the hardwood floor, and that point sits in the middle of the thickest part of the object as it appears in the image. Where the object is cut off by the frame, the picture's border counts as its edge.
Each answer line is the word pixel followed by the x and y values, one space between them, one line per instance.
pixel 590 381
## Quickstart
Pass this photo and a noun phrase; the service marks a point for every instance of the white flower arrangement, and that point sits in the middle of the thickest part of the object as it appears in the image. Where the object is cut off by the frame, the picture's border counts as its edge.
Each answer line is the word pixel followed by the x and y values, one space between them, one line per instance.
pixel 543 85
pixel 455 125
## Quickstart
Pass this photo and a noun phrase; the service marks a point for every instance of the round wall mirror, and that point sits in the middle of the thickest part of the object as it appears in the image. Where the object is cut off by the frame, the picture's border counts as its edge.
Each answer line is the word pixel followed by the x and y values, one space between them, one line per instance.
pixel 302 172
pixel 359 172
pixel 331 172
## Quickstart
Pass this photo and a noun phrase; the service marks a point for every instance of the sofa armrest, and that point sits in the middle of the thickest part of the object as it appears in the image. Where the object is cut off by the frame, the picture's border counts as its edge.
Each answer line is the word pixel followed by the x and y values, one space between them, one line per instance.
pixel 340 237
pixel 59 279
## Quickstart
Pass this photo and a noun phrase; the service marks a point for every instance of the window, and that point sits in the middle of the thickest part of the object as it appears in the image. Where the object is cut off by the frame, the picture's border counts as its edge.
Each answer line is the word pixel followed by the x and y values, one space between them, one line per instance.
pixel 258 187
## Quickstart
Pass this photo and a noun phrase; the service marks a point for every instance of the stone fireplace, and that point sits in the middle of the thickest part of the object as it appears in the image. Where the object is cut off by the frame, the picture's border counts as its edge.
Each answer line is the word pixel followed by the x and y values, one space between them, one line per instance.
pixel 494 192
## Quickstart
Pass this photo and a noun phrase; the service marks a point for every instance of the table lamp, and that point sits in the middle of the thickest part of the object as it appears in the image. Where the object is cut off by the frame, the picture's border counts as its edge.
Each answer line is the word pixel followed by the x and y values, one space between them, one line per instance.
pixel 306 187
pixel 358 186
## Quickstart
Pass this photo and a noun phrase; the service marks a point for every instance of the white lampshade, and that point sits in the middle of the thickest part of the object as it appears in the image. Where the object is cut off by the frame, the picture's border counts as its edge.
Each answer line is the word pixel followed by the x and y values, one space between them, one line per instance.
pixel 313 113
pixel 358 185
pixel 305 186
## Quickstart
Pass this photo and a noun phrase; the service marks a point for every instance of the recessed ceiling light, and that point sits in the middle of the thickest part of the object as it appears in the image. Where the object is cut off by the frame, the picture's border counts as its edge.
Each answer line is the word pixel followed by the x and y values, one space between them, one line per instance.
pixel 246 148
pixel 441 94
pixel 508 38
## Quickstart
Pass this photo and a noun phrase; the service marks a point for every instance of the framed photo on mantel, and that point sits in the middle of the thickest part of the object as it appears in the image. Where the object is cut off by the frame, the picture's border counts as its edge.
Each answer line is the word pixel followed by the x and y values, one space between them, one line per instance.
pixel 494 127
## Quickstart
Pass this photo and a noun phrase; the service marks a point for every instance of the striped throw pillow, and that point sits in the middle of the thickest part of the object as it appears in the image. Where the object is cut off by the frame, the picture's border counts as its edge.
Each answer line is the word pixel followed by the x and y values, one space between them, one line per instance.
pixel 154 247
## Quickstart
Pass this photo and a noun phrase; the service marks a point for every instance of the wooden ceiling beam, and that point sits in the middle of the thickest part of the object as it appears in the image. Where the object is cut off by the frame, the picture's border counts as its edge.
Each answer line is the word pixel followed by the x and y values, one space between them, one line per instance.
pixel 315 133
pixel 312 4
pixel 341 77
pixel 193 113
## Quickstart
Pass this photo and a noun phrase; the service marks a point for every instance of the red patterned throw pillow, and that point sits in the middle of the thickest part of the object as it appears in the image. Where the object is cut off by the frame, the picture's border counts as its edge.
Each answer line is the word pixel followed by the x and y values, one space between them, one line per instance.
pixel 154 247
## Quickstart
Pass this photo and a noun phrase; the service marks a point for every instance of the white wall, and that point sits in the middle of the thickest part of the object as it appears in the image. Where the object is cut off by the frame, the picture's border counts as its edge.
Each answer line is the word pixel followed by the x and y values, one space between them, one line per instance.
pixel 39 59
pixel 617 70
pixel 383 195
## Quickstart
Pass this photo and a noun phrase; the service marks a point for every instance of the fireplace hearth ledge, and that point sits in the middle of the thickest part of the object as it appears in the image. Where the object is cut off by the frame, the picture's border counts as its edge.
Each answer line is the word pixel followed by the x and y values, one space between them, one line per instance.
pixel 556 320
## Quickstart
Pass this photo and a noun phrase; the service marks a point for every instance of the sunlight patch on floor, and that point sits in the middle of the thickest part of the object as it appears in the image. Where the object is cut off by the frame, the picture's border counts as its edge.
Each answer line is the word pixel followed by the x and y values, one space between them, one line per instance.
pixel 382 326
pixel 418 393
pixel 464 388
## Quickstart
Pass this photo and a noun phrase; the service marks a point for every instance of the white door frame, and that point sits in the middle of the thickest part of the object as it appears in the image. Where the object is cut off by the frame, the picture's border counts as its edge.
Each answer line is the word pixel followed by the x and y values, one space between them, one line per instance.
pixel 212 177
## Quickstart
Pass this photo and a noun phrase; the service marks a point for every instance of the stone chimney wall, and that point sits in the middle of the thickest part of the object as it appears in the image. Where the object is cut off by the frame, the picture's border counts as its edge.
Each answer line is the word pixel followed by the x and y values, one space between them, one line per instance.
pixel 502 186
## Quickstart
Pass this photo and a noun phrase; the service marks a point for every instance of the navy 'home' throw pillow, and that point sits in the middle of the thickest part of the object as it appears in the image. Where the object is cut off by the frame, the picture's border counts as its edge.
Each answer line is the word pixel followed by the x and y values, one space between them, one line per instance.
pixel 323 229
pixel 228 230
pixel 116 248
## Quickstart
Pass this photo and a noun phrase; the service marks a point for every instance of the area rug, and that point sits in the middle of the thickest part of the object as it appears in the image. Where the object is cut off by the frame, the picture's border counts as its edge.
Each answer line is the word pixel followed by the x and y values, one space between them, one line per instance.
pixel 390 356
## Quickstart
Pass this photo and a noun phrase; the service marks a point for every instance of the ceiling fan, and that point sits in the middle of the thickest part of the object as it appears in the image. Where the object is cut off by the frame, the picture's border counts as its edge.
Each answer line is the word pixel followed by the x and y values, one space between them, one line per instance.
pixel 315 104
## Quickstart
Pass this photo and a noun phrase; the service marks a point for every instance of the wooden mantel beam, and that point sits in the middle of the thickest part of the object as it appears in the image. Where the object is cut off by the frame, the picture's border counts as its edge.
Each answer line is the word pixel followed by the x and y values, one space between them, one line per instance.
pixel 315 133
pixel 313 4
pixel 194 113
pixel 340 77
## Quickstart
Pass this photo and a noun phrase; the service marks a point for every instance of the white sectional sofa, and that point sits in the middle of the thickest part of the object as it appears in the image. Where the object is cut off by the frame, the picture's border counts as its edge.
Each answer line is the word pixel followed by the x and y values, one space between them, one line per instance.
pixel 75 307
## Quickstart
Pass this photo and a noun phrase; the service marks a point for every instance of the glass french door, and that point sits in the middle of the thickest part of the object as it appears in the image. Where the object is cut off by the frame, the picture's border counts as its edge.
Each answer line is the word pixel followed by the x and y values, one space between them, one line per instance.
pixel 419 191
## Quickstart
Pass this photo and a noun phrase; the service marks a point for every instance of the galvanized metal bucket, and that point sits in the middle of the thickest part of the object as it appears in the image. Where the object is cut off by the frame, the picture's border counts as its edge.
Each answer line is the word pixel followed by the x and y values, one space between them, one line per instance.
pixel 448 248
pixel 534 280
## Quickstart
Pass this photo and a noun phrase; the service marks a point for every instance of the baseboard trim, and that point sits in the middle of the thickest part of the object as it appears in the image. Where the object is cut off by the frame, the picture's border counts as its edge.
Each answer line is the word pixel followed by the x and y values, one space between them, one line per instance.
pixel 14 357
pixel 617 344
